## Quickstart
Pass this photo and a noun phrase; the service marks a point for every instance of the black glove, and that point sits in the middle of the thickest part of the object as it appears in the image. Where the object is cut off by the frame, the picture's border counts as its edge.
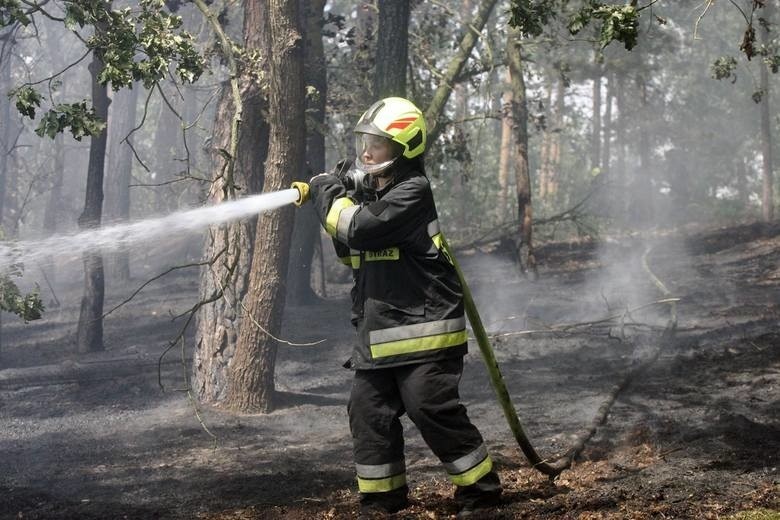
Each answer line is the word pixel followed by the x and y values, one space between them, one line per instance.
pixel 341 168
pixel 353 180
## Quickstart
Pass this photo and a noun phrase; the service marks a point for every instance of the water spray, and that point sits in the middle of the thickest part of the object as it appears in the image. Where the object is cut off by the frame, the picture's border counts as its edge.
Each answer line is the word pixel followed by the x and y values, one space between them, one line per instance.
pixel 120 236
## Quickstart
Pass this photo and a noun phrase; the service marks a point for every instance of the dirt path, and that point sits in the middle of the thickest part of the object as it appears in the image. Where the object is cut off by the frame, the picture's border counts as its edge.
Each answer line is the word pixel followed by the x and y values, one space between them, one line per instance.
pixel 695 436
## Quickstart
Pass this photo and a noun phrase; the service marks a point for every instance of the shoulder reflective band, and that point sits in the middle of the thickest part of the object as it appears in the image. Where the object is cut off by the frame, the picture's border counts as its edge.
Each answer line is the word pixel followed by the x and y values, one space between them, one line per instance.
pixel 352 260
pixel 380 478
pixel 434 231
pixel 338 218
pixel 408 339
pixel 392 253
pixel 470 467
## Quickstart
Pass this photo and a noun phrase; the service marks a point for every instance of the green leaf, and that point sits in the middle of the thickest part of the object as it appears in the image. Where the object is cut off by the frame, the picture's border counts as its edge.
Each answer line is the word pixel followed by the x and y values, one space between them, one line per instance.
pixel 11 12
pixel 27 100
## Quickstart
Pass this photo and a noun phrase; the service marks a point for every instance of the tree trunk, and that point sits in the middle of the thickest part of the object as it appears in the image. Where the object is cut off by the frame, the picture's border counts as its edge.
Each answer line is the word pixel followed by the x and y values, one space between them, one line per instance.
pixel 123 112
pixel 620 186
pixel 742 184
pixel 5 128
pixel 307 228
pixel 251 385
pixel 607 155
pixel 595 140
pixel 641 190
pixel 166 145
pixel 767 168
pixel 520 129
pixel 391 57
pixel 468 40
pixel 546 147
pixel 505 153
pixel 554 174
pixel 90 327
pixel 225 281
pixel 51 213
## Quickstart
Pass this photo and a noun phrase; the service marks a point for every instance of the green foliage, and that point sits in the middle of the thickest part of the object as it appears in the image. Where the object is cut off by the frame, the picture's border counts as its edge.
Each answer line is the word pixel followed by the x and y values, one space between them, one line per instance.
pixel 724 67
pixel 531 16
pixel 618 23
pixel 11 12
pixel 132 44
pixel 27 306
pixel 77 117
pixel 137 47
pixel 27 100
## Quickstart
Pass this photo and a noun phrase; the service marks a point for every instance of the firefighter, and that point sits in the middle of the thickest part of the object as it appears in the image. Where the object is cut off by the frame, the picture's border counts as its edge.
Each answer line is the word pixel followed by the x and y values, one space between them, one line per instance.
pixel 408 312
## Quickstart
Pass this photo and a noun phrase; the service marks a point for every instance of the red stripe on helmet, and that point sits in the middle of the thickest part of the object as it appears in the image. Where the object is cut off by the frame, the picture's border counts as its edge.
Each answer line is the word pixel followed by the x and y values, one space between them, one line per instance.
pixel 402 123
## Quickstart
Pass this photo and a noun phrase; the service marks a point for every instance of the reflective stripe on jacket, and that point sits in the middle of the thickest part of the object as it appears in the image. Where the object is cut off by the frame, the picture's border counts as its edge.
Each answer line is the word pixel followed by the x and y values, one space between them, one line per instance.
pixel 407 300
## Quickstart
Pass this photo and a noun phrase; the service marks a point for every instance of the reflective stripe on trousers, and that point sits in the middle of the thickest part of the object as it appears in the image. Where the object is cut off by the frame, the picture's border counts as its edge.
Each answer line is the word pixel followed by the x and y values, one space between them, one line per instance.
pixel 378 478
pixel 470 468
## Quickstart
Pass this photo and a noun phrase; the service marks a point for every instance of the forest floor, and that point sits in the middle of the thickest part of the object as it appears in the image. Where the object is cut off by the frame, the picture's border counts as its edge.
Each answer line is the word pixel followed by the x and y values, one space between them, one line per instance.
pixel 694 435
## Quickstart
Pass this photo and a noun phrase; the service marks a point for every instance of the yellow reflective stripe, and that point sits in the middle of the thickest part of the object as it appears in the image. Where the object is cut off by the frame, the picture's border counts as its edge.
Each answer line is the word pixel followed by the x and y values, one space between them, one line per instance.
pixel 351 260
pixel 467 461
pixel 419 330
pixel 408 346
pixel 469 477
pixel 380 485
pixel 332 219
pixel 392 253
pixel 438 239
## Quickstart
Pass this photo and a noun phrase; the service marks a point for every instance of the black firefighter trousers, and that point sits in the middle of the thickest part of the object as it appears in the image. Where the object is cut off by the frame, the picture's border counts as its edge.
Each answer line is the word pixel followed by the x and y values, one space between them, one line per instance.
pixel 428 393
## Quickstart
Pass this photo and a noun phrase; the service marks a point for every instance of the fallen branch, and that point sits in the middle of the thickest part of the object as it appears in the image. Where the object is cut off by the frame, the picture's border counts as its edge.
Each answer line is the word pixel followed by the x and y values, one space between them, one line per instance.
pixel 601 415
pixel 69 372
pixel 567 327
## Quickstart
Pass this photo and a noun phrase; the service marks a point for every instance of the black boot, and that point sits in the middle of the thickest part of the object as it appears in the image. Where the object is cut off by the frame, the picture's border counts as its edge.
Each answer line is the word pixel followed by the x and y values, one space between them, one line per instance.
pixel 380 505
pixel 478 497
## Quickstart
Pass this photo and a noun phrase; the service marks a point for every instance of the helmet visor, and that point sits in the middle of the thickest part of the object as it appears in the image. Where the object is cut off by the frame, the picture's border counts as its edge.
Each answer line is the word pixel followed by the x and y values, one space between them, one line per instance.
pixel 374 153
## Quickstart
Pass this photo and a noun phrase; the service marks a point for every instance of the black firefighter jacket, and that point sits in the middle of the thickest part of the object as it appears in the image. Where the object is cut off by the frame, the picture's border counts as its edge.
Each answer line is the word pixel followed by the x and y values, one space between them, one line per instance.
pixel 407 302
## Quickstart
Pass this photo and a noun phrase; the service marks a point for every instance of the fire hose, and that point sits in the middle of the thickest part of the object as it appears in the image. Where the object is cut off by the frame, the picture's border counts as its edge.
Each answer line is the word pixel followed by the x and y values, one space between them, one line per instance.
pixel 551 469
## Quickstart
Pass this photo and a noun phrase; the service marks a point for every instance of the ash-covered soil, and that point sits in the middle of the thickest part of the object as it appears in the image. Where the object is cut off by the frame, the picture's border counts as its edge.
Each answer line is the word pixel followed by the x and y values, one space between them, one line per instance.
pixel 694 434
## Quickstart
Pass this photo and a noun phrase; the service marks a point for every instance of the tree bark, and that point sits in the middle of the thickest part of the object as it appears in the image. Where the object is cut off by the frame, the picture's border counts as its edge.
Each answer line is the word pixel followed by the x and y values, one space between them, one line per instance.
pixel 742 183
pixel 5 117
pixel 622 200
pixel 607 125
pixel 90 327
pixel 307 229
pixel 505 153
pixel 468 40
pixel 641 192
pixel 225 281
pixel 251 385
pixel 546 147
pixel 392 45
pixel 122 122
pixel 51 213
pixel 595 140
pixel 519 106
pixel 767 167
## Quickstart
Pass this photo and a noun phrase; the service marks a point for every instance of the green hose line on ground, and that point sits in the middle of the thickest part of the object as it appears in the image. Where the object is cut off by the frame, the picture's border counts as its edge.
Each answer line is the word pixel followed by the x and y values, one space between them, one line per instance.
pixel 497 380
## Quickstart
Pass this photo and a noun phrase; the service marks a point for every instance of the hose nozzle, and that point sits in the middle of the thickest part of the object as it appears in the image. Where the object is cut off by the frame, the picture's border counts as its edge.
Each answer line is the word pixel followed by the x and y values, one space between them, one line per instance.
pixel 303 192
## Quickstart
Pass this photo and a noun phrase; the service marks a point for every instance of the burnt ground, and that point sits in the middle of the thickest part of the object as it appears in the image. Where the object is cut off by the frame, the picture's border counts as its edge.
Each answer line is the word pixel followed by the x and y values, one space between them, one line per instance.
pixel 696 434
